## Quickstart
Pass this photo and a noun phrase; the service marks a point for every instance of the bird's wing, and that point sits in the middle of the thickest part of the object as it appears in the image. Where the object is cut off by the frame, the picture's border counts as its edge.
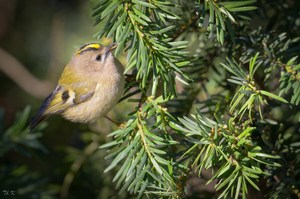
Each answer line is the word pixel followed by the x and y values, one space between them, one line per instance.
pixel 62 98
pixel 66 96
pixel 72 89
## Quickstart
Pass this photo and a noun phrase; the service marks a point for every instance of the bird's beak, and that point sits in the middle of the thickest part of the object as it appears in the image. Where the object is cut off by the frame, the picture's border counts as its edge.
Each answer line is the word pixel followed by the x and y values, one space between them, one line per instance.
pixel 109 49
pixel 112 46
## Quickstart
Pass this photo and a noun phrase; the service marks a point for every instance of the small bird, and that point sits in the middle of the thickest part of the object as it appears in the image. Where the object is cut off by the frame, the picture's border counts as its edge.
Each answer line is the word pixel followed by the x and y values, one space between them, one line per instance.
pixel 89 86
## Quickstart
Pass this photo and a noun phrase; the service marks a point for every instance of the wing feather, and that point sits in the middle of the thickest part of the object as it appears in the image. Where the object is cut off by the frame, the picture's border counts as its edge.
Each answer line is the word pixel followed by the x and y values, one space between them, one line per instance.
pixel 68 93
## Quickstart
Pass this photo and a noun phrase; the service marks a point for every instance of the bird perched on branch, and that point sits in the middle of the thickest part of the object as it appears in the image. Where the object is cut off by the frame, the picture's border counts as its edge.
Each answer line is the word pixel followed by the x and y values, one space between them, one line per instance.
pixel 89 86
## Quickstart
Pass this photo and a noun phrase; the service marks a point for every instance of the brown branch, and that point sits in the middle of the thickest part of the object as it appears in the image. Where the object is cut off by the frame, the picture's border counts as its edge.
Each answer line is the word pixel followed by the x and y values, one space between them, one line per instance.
pixel 22 77
pixel 75 167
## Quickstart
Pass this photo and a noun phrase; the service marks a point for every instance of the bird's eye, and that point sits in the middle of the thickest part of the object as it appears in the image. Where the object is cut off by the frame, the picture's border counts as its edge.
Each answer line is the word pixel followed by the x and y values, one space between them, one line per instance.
pixel 98 58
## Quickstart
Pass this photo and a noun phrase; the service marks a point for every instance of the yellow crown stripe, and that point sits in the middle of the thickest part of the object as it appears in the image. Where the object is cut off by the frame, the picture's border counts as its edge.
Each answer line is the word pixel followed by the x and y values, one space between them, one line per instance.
pixel 88 46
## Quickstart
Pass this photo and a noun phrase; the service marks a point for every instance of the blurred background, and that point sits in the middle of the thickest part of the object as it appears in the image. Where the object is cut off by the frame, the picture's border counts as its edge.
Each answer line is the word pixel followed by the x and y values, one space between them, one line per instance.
pixel 37 38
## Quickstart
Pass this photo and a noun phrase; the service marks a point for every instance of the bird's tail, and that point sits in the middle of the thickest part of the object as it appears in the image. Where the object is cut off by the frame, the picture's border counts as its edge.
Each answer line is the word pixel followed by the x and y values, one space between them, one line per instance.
pixel 41 115
pixel 38 118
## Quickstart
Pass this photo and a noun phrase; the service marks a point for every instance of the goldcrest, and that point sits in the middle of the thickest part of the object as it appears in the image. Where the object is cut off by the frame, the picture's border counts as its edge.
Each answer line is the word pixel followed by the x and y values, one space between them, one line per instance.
pixel 90 85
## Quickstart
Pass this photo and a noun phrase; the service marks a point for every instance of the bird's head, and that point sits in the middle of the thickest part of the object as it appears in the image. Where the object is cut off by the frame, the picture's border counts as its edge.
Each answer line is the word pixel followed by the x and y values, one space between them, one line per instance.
pixel 94 57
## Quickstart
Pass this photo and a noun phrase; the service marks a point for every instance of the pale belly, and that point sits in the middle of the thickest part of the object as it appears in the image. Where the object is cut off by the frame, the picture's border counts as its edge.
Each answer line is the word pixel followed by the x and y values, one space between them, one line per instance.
pixel 100 103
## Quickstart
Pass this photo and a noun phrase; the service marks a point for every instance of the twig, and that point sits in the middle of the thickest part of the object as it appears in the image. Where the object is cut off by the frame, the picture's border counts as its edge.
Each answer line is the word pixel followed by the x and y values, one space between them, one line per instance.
pixel 22 77
pixel 89 150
